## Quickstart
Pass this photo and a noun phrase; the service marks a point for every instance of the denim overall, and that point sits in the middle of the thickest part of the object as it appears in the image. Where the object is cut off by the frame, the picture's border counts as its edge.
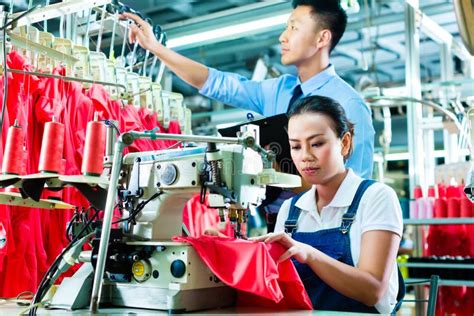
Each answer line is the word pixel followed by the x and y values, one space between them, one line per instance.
pixel 334 242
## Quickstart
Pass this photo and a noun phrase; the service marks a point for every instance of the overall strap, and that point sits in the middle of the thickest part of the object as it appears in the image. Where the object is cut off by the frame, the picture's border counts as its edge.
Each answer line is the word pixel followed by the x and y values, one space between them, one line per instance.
pixel 349 216
pixel 293 215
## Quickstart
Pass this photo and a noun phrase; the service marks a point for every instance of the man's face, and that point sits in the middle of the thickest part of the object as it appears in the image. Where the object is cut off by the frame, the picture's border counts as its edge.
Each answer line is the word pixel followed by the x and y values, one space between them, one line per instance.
pixel 300 38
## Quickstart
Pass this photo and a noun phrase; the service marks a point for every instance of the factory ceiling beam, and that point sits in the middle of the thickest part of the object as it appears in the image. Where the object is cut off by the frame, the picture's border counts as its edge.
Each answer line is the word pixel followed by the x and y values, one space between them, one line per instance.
pixel 57 10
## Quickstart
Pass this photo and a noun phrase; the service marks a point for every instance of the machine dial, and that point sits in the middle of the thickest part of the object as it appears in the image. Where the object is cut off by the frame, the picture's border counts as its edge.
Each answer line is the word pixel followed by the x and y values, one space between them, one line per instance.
pixel 141 270
pixel 168 174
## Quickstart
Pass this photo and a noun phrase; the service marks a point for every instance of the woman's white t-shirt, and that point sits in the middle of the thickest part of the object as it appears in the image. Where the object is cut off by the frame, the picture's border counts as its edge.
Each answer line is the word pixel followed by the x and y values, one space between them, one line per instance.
pixel 379 209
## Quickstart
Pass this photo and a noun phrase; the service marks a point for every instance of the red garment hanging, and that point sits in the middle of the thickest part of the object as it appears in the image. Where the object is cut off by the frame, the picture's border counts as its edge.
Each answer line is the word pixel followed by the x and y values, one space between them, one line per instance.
pixel 35 237
pixel 25 250
pixel 173 128
pixel 251 268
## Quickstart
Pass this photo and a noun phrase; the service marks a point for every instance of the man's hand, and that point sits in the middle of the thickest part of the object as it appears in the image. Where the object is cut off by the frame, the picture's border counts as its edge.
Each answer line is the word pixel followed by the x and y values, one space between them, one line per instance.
pixel 140 32
pixel 301 251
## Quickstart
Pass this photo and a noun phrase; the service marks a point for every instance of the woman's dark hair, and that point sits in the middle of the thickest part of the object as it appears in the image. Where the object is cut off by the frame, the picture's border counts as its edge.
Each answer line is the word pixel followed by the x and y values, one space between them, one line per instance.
pixel 328 107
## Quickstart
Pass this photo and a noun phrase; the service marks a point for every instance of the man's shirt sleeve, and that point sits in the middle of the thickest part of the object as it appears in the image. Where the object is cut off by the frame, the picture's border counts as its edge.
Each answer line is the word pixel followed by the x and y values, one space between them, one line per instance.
pixel 236 90
pixel 361 160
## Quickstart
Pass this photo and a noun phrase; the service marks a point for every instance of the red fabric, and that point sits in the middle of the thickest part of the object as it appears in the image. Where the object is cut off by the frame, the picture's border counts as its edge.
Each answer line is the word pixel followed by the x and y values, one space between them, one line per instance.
pixel 173 128
pixel 252 268
pixel 35 237
pixel 25 249
pixel 197 217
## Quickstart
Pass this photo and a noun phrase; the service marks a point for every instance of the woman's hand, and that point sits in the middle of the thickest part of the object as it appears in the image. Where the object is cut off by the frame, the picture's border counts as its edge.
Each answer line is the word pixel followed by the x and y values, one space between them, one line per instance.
pixel 301 251
pixel 140 32
pixel 214 232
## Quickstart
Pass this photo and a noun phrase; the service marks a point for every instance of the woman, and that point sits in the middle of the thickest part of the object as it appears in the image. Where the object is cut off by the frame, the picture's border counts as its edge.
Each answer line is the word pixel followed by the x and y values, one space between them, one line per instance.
pixel 345 231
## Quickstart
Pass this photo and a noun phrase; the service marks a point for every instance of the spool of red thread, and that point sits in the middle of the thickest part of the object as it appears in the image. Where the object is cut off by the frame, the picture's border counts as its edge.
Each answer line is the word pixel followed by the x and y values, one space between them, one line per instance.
pixel 52 147
pixel 431 191
pixel 13 156
pixel 417 192
pixel 453 191
pixel 440 208
pixel 454 207
pixel 94 148
pixel 466 206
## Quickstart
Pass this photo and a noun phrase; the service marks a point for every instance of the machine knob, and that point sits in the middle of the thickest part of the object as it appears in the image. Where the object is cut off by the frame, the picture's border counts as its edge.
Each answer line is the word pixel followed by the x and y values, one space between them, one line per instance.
pixel 169 174
pixel 178 268
pixel 141 270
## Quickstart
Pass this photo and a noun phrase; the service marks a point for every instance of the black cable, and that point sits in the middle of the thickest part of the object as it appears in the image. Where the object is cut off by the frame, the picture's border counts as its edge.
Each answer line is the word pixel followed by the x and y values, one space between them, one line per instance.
pixel 111 123
pixel 138 209
pixel 5 72
pixel 45 282
pixel 69 232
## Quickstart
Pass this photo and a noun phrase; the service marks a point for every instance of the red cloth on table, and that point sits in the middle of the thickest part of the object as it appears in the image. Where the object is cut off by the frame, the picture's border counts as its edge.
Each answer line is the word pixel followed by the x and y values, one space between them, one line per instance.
pixel 252 268
pixel 197 217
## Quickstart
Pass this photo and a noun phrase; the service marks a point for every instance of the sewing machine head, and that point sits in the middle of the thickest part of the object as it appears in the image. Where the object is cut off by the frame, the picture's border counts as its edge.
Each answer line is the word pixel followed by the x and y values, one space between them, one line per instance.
pixel 157 185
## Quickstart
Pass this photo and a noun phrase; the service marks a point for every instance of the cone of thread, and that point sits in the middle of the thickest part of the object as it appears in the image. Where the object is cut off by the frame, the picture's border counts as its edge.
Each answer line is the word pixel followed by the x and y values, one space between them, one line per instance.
pixel 52 147
pixel 94 148
pixel 13 155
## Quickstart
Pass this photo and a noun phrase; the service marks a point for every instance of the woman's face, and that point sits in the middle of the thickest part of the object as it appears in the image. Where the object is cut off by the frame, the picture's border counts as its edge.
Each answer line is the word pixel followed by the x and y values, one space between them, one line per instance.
pixel 315 148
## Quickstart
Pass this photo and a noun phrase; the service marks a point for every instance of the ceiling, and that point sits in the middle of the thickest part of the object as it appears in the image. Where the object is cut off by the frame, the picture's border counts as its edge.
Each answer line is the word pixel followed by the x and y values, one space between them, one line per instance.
pixel 377 53
pixel 365 54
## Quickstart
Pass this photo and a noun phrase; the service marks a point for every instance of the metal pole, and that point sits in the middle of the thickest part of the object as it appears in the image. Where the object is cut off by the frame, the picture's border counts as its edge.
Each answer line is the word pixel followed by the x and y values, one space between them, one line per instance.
pixel 106 224
pixel 414 110
pixel 413 85
pixel 112 40
pixel 101 29
pixel 188 138
pixel 66 78
pixel 88 23
pixel 446 72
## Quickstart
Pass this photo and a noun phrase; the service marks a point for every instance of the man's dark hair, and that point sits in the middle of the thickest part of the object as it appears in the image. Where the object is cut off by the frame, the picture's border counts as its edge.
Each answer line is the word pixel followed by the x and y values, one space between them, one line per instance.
pixel 328 107
pixel 329 15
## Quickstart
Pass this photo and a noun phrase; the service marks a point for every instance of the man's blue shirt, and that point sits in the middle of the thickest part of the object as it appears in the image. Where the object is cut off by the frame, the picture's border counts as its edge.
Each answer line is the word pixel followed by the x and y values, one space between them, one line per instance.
pixel 272 96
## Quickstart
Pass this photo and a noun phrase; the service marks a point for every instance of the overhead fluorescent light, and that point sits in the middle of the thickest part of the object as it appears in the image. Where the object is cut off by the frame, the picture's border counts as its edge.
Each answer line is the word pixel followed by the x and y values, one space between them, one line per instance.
pixel 229 32
pixel 350 6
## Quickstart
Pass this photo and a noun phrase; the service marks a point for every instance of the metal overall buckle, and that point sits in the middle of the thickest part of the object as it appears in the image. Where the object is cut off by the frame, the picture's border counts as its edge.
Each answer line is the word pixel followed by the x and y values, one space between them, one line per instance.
pixel 346 223
pixel 290 228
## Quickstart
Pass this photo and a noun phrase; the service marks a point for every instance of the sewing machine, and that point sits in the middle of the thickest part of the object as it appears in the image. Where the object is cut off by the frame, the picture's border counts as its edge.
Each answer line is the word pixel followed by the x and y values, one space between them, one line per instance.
pixel 144 268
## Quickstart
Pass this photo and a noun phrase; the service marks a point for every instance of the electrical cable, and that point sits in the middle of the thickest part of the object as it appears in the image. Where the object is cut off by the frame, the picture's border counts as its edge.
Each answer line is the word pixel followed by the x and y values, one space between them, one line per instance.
pixel 138 209
pixel 69 232
pixel 111 123
pixel 45 282
pixel 174 145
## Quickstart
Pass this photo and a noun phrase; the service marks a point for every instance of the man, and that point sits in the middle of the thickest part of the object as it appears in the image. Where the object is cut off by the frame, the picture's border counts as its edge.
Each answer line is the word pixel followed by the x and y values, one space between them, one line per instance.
pixel 313 30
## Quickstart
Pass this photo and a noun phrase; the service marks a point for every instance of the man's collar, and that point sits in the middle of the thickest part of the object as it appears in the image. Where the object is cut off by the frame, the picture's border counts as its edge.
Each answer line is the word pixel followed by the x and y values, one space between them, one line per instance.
pixel 317 81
